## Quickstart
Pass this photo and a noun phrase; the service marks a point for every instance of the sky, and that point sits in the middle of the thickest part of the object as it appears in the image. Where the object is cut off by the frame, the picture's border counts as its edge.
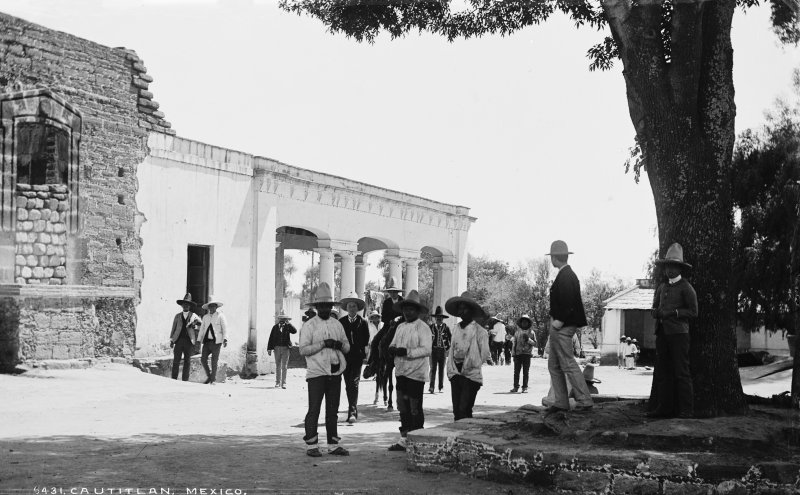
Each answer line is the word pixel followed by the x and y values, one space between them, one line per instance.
pixel 517 128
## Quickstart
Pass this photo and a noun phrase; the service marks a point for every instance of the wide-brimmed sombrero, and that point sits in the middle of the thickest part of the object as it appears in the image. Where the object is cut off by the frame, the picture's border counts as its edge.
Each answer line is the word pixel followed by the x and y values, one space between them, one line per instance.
pixel 187 299
pixel 674 256
pixel 353 297
pixel 323 295
pixel 451 306
pixel 412 299
pixel 439 313
pixel 212 300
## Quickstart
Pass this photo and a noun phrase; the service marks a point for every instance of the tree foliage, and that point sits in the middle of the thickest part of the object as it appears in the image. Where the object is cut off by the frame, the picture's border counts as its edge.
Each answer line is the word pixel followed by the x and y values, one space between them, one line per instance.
pixel 767 195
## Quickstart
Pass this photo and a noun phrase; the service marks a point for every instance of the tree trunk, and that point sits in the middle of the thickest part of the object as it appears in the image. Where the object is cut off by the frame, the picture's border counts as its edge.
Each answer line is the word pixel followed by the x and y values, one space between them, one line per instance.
pixel 681 105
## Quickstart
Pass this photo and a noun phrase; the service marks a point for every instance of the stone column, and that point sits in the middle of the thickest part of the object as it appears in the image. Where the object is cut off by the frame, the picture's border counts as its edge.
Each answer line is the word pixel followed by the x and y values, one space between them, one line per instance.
pixel 447 281
pixel 348 272
pixel 361 270
pixel 395 269
pixel 437 288
pixel 326 266
pixel 411 281
pixel 279 288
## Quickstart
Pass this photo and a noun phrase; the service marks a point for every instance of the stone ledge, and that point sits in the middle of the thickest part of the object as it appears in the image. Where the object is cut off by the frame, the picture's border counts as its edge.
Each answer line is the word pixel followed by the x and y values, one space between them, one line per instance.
pixel 60 291
pixel 162 366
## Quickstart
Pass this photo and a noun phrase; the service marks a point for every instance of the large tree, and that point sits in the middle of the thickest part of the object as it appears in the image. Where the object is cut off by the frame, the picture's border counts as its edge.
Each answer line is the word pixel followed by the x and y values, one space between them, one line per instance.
pixel 677 60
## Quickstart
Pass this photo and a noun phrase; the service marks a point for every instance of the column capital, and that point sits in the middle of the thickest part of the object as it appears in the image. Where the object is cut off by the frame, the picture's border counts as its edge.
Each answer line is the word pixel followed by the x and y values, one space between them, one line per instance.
pixel 346 253
pixel 403 253
pixel 338 245
pixel 324 252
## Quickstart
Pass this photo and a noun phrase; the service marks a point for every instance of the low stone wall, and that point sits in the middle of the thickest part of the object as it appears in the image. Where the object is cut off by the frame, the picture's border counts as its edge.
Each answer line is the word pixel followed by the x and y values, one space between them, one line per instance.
pixel 41 234
pixel 39 322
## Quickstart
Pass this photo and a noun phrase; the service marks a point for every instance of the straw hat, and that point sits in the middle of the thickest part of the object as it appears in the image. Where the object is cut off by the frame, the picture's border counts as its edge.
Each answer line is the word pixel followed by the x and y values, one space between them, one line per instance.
pixel 392 286
pixel 451 306
pixel 558 247
pixel 524 317
pixel 412 299
pixel 187 299
pixel 283 316
pixel 212 300
pixel 674 256
pixel 353 297
pixel 374 314
pixel 323 295
pixel 439 312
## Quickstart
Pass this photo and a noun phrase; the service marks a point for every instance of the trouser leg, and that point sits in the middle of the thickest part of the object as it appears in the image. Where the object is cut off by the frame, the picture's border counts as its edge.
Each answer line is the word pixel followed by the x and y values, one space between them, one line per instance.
pixel 517 368
pixel 204 359
pixel 563 368
pixel 333 390
pixel 285 364
pixel 679 345
pixel 663 375
pixel 187 361
pixel 215 349
pixel 442 361
pixel 278 371
pixel 469 392
pixel 416 392
pixel 176 360
pixel 316 392
pixel 403 405
pixel 526 366
pixel 432 375
pixel 352 378
pixel 455 396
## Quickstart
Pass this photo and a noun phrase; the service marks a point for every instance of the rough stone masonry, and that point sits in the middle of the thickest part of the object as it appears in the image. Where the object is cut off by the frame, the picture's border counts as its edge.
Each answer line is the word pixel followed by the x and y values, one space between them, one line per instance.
pixel 96 265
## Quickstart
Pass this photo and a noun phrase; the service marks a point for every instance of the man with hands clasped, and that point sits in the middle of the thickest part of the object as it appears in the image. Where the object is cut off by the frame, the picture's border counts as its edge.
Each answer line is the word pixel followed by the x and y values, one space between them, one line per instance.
pixel 324 345
pixel 411 348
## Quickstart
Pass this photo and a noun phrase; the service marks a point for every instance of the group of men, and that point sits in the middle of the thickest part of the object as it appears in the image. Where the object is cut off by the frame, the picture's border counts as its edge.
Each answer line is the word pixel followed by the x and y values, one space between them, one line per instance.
pixel 335 349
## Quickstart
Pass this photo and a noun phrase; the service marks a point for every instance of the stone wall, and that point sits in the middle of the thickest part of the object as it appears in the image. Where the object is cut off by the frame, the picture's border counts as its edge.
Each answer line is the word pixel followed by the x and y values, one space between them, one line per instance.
pixel 41 234
pixel 108 88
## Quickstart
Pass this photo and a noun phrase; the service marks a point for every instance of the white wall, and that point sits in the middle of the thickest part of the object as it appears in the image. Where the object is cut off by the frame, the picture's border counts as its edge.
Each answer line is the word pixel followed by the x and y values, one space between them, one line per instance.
pixel 184 204
pixel 611 326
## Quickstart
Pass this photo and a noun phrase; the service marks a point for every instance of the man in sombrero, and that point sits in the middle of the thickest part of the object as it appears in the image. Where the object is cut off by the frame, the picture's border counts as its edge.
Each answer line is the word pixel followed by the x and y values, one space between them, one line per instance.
pixel 214 336
pixel 280 341
pixel 183 336
pixel 566 317
pixel 324 345
pixel 356 329
pixel 411 348
pixel 674 304
pixel 440 333
pixel 468 351
pixel 388 311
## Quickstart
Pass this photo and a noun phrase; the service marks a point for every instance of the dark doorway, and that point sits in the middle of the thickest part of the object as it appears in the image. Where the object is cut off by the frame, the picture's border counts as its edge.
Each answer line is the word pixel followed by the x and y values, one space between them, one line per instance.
pixel 198 263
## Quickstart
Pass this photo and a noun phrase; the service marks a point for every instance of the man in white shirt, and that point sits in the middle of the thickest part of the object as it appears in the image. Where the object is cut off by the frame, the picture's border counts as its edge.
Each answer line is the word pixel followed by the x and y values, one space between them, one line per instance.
pixel 411 348
pixel 498 334
pixel 214 336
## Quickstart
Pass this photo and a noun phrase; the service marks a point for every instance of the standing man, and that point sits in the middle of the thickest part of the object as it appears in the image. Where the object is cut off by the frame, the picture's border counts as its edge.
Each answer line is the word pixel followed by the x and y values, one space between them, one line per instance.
pixel 281 342
pixel 566 316
pixel 470 350
pixel 411 347
pixel 183 336
pixel 214 336
pixel 324 345
pixel 440 333
pixel 621 349
pixel 388 313
pixel 357 331
pixel 674 304
pixel 497 331
pixel 523 343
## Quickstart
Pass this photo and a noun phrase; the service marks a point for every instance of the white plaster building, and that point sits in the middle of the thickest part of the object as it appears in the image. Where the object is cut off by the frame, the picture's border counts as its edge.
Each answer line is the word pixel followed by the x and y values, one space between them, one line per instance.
pixel 218 221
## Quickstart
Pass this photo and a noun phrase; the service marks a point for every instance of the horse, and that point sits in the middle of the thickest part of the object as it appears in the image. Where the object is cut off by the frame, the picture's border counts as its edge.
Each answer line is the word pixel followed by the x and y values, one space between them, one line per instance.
pixel 383 363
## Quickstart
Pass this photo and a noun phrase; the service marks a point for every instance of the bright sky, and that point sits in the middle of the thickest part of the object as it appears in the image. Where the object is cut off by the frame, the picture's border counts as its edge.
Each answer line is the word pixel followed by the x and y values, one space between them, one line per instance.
pixel 515 128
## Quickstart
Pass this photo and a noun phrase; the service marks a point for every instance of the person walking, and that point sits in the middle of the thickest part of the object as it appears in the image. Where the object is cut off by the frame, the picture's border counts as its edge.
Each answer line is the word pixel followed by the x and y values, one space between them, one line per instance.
pixel 674 305
pixel 440 334
pixel 214 336
pixel 497 332
pixel 324 345
pixel 357 331
pixel 635 351
pixel 411 348
pixel 522 348
pixel 183 336
pixel 621 350
pixel 468 352
pixel 508 345
pixel 567 315
pixel 280 341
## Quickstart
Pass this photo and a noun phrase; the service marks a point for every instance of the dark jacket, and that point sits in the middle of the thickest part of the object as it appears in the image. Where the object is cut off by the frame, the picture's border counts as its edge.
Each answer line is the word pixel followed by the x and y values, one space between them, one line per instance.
pixel 678 304
pixel 358 335
pixel 565 299
pixel 387 311
pixel 280 337
pixel 445 331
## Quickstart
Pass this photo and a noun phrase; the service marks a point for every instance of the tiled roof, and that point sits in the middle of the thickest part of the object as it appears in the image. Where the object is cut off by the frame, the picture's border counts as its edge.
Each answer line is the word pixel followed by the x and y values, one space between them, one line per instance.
pixel 632 298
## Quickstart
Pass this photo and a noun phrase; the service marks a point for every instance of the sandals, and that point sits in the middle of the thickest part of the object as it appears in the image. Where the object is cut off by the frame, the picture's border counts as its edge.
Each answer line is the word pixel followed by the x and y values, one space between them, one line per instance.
pixel 339 451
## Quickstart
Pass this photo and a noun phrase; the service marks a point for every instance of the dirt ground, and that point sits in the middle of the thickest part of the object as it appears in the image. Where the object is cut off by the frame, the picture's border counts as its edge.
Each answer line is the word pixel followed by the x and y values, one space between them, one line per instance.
pixel 111 428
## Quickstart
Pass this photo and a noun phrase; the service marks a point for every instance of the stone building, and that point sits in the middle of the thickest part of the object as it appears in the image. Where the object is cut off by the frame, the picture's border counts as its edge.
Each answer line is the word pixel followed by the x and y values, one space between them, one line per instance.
pixel 106 217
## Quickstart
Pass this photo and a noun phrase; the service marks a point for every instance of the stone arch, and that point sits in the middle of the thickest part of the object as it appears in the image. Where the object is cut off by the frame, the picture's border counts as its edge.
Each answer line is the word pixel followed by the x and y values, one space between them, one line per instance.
pixel 438 252
pixel 369 244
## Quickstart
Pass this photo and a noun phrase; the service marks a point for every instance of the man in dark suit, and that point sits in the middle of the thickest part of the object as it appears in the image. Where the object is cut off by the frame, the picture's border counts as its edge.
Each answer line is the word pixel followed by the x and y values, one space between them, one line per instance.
pixel 357 330
pixel 566 316
pixel 182 337
pixel 388 314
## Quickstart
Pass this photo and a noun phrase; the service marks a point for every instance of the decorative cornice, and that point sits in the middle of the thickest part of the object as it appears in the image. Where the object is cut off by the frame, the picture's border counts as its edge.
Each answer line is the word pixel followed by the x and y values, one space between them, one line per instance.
pixel 66 291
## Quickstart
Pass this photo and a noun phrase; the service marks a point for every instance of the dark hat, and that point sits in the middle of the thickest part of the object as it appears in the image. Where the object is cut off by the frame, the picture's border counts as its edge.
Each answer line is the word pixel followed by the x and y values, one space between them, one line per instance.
pixel 187 299
pixel 412 299
pixel 524 317
pixel 558 247
pixel 439 312
pixel 451 306
pixel 674 256
pixel 323 295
